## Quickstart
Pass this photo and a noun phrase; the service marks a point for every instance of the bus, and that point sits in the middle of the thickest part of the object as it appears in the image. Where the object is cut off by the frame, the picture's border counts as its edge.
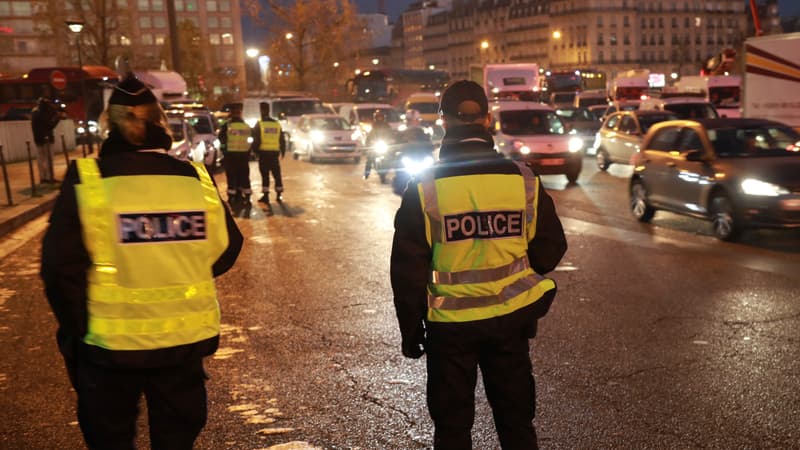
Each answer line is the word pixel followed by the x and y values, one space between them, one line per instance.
pixel 393 86
pixel 574 80
pixel 63 85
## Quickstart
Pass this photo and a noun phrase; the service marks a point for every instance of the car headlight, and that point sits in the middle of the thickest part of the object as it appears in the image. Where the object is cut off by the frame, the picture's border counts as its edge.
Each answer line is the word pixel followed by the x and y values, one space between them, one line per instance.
pixel 519 146
pixel 250 139
pixel 367 128
pixel 575 144
pixel 381 147
pixel 751 186
pixel 402 127
pixel 216 143
pixel 81 130
pixel 355 136
pixel 92 128
pixel 317 136
pixel 414 166
pixel 439 122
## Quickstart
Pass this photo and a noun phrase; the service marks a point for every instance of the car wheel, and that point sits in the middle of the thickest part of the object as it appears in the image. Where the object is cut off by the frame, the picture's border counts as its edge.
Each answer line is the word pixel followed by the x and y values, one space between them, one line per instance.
pixel 603 161
pixel 639 206
pixel 723 218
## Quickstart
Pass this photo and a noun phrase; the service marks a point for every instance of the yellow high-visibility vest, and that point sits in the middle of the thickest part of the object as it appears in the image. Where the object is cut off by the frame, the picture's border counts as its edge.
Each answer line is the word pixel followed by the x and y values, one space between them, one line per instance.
pixel 238 133
pixel 151 284
pixel 270 136
pixel 479 227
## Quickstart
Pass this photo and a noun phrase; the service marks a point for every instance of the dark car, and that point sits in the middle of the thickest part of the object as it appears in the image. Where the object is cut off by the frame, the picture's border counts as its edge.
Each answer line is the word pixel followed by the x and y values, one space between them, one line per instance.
pixel 620 136
pixel 581 123
pixel 737 173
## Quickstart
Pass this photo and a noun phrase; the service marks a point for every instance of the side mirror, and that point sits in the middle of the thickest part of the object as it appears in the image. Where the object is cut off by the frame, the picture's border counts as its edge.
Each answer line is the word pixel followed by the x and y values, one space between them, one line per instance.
pixel 694 155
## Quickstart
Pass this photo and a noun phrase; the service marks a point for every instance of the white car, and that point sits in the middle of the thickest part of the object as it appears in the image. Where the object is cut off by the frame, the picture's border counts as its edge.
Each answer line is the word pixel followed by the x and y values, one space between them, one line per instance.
pixel 189 145
pixel 325 136
pixel 360 116
pixel 532 132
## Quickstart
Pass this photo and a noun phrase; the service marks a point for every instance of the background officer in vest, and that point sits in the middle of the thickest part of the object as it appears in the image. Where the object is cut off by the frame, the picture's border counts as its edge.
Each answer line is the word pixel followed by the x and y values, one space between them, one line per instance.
pixel 474 236
pixel 269 142
pixel 135 240
pixel 236 140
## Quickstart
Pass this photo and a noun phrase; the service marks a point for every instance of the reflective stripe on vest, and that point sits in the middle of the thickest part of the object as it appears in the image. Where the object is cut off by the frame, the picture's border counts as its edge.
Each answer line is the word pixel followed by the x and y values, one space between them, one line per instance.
pixel 270 136
pixel 150 285
pixel 238 133
pixel 479 238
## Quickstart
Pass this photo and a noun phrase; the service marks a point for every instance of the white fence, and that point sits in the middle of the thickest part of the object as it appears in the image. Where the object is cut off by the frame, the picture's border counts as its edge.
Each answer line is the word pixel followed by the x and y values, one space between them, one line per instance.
pixel 14 134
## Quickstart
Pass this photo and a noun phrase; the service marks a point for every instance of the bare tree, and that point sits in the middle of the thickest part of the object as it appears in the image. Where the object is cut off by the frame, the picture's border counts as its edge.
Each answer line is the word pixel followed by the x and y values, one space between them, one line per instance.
pixel 309 36
pixel 104 21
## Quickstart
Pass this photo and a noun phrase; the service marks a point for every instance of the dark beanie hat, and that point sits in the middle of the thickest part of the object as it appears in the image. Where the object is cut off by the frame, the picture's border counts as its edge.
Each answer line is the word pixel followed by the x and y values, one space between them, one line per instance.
pixel 464 99
pixel 131 92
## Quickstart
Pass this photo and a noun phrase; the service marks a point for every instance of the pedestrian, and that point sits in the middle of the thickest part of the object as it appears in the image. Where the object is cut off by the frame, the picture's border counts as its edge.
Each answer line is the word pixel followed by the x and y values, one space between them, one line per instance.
pixel 380 131
pixel 135 240
pixel 236 140
pixel 474 236
pixel 44 119
pixel 269 143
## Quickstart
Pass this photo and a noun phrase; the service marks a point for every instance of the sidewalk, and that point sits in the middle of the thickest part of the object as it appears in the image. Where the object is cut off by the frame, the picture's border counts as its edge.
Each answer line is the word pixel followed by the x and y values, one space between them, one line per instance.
pixel 26 205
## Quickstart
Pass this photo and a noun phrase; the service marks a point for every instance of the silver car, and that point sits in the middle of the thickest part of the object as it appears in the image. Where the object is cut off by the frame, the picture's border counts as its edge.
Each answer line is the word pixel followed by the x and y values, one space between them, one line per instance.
pixel 621 135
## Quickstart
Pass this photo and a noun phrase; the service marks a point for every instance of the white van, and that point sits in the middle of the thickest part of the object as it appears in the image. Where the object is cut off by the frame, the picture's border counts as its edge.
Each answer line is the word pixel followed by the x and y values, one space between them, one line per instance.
pixel 532 132
pixel 684 106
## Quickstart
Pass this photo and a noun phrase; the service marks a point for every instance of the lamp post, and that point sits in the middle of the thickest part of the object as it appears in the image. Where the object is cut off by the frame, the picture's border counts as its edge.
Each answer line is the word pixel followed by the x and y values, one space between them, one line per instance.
pixel 76 26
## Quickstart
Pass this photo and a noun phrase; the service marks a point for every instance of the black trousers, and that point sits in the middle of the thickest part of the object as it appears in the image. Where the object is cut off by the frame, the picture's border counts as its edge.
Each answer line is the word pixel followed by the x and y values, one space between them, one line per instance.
pixel 108 402
pixel 269 162
pixel 501 351
pixel 237 172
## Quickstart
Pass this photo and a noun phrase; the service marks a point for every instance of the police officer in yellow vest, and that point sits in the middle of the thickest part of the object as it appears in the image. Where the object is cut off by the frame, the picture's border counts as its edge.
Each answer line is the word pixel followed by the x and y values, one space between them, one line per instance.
pixel 135 240
pixel 474 237
pixel 269 143
pixel 236 140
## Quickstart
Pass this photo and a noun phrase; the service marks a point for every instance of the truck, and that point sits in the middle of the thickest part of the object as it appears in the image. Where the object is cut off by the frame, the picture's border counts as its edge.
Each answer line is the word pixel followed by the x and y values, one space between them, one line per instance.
pixel 167 85
pixel 772 78
pixel 723 91
pixel 518 81
pixel 630 85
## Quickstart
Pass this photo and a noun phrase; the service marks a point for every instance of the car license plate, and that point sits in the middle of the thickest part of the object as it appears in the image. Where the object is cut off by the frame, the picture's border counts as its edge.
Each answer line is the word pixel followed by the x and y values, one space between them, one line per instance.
pixel 552 161
pixel 791 204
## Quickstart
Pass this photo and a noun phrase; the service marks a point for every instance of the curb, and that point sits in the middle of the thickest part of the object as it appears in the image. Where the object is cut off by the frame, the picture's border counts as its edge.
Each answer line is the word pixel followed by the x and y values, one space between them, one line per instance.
pixel 19 215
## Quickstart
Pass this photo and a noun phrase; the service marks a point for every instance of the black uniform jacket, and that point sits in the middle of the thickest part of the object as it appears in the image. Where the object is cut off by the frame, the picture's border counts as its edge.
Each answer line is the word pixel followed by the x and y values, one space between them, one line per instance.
pixel 466 150
pixel 65 260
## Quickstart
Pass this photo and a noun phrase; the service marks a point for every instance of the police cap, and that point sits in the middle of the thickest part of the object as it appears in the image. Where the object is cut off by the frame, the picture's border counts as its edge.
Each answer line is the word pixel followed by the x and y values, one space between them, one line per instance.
pixel 131 92
pixel 465 100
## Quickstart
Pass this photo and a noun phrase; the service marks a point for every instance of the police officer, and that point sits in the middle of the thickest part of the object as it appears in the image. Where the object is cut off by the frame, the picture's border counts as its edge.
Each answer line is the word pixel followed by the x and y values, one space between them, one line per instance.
pixel 474 237
pixel 381 130
pixel 135 240
pixel 269 142
pixel 236 140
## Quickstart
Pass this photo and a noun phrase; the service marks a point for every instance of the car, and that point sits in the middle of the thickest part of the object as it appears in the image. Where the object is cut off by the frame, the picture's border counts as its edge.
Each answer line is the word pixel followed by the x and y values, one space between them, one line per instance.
pixel 360 115
pixel 18 113
pixel 580 122
pixel 620 136
pixel 683 105
pixel 620 105
pixel 325 136
pixel 285 107
pixel 532 132
pixel 427 104
pixel 736 173
pixel 591 97
pixel 597 111
pixel 190 145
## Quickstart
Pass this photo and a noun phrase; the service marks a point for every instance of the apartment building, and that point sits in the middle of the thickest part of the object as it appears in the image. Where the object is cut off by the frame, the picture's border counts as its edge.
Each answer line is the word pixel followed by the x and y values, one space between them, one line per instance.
pixel 34 34
pixel 609 35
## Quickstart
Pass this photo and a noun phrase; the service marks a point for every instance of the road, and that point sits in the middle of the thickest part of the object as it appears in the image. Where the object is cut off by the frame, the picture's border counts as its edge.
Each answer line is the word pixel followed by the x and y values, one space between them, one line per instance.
pixel 660 336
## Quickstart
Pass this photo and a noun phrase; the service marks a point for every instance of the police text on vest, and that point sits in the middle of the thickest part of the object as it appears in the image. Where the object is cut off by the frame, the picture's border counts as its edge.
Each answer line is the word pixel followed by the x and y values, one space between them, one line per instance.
pixel 162 227
pixel 482 225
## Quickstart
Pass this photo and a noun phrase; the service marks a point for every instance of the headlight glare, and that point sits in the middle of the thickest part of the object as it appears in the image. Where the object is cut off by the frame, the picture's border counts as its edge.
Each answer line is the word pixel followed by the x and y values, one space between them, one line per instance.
pixel 751 186
pixel 575 144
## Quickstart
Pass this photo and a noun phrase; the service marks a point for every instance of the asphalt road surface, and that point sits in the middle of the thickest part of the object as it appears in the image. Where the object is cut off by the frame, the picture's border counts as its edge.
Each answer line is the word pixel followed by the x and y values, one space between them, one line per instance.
pixel 660 336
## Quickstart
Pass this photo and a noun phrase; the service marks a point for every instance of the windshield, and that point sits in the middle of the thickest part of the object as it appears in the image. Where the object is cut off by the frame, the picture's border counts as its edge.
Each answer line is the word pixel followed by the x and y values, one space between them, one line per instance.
pixel 177 130
pixel 201 124
pixel 647 121
pixel 365 115
pixel 425 108
pixel 527 122
pixel 755 141
pixel 293 108
pixel 329 123
pixel 693 111
pixel 630 92
pixel 724 96
pixel 575 114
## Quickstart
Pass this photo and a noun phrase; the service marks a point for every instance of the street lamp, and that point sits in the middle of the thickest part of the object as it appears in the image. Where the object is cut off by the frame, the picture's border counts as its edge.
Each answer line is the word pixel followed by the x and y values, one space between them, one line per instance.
pixel 76 26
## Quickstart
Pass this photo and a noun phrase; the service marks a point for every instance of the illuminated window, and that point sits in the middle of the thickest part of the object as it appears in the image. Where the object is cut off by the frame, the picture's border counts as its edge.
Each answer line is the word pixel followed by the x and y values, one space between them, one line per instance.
pixel 125 40
pixel 178 5
pixel 213 39
pixel 160 39
pixel 144 5
pixel 147 39
pixel 191 5
pixel 227 38
pixel 21 9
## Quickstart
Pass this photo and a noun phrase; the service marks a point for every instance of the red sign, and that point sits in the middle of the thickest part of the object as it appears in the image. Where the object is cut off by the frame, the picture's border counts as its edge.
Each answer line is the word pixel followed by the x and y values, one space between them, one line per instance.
pixel 58 80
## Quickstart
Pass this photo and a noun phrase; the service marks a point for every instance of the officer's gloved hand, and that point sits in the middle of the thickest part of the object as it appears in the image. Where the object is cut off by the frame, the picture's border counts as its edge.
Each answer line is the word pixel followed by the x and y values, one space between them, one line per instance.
pixel 413 350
